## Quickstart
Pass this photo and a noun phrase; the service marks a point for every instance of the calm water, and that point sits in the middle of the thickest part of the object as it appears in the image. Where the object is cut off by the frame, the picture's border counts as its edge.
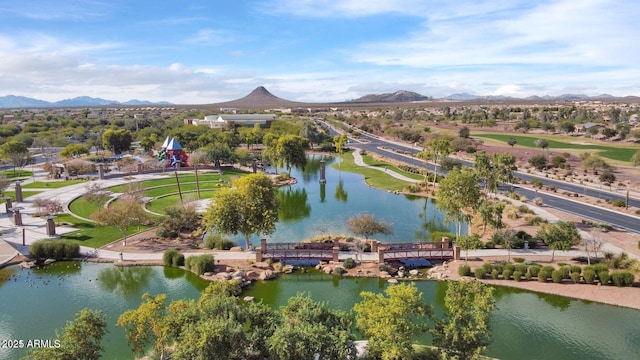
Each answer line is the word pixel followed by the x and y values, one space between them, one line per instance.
pixel 525 325
pixel 33 303
pixel 310 209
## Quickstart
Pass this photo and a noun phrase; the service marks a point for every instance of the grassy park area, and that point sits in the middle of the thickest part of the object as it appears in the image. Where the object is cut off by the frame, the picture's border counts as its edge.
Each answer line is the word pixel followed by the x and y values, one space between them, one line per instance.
pixel 376 178
pixel 618 152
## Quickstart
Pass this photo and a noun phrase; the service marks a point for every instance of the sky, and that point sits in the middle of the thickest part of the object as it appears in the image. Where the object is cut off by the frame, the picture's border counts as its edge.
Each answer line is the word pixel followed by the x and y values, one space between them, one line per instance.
pixel 205 51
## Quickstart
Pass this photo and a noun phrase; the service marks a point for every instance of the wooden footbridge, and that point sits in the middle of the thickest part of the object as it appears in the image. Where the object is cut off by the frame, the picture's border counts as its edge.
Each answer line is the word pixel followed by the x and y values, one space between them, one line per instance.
pixel 331 251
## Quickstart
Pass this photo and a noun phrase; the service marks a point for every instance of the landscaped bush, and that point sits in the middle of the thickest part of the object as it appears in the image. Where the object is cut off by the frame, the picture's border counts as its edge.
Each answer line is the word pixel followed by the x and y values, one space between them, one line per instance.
pixel 548 269
pixel 517 275
pixel 604 277
pixel 495 274
pixel 601 267
pixel 499 267
pixel 479 273
pixel 506 274
pixel 575 277
pixel 535 270
pixel 510 267
pixel 438 235
pixel 487 267
pixel 218 241
pixel 564 272
pixel 338 271
pixel 349 263
pixel 491 245
pixel 384 267
pixel 522 268
pixel 622 278
pixel 528 276
pixel 54 249
pixel 200 264
pixel 172 257
pixel 464 270
pixel 556 276
pixel 618 203
pixel 589 276
pixel 543 276
pixel 576 269
pixel 519 260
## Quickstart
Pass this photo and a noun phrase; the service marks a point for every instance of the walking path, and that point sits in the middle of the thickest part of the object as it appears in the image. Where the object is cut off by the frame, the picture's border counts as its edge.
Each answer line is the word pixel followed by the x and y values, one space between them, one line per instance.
pixel 357 158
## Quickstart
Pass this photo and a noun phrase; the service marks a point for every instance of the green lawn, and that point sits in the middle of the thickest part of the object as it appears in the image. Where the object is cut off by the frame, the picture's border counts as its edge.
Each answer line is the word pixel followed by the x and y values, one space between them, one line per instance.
pixel 83 208
pixel 378 163
pixel 10 174
pixel 158 205
pixel 373 177
pixel 618 153
pixel 52 184
pixel 184 178
pixel 25 194
pixel 92 234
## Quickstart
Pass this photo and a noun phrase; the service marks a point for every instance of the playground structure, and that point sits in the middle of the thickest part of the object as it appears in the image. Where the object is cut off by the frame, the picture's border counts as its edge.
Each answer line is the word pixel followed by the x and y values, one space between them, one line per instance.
pixel 171 152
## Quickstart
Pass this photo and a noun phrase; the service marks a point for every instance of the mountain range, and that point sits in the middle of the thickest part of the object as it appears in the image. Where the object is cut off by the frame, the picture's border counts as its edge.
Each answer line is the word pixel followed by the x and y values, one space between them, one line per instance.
pixel 12 101
pixel 260 97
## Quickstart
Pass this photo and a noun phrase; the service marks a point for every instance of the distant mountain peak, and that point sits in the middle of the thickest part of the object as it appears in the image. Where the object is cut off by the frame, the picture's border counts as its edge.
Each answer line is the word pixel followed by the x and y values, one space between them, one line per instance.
pixel 398 96
pixel 260 97
pixel 12 101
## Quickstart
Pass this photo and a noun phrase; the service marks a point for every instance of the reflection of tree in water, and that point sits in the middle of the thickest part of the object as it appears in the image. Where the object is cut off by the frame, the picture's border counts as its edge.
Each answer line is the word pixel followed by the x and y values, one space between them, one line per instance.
pixel 173 273
pixel 341 193
pixel 126 281
pixel 559 302
pixel 429 223
pixel 312 168
pixel 293 204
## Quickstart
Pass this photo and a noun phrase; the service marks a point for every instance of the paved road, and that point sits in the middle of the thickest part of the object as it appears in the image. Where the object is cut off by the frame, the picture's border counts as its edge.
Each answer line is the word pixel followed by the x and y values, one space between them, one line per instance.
pixel 591 212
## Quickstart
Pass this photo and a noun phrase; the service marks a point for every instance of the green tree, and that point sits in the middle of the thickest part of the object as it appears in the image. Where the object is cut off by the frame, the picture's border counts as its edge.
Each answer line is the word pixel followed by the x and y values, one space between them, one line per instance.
pixel 559 236
pixel 123 214
pixel 457 193
pixel 483 168
pixel 607 176
pixel 250 207
pixel 512 141
pixel 440 148
pixel 464 333
pixel 538 161
pixel 541 143
pixel 292 150
pixel 392 319
pixel 16 153
pixel 308 328
pixel 504 165
pixel 367 225
pixel 340 141
pixel 468 242
pixel 80 339
pixel 464 132
pixel 146 325
pixel 117 140
pixel 74 150
pixel 567 126
pixel 219 153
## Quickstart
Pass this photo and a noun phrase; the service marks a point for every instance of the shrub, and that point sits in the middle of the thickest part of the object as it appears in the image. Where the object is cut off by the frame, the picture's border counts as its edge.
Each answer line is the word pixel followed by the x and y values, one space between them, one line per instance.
pixel 564 272
pixel 601 267
pixel 522 268
pixel 178 260
pixel 349 263
pixel 338 271
pixel 528 276
pixel 495 274
pixel 519 260
pixel 575 277
pixel 576 269
pixel 517 275
pixel 535 270
pixel 499 267
pixel 548 269
pixel 200 264
pixel 480 273
pixel 506 274
pixel 524 209
pixel 618 203
pixel 487 267
pixel 217 241
pixel 54 249
pixel 384 267
pixel 622 278
pixel 543 276
pixel 604 277
pixel 491 245
pixel 464 270
pixel 589 276
pixel 169 257
pixel 556 276
pixel 510 267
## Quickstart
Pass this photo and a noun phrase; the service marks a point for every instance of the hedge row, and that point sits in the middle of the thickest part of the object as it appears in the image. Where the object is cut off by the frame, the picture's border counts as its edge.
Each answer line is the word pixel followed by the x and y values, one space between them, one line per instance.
pixel 172 258
pixel 200 264
pixel 54 249
pixel 576 274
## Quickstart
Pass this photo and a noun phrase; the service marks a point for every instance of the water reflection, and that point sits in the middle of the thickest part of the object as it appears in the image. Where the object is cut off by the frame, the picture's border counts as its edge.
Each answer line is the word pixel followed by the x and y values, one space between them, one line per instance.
pixel 293 204
pixel 430 223
pixel 311 170
pixel 323 192
pixel 341 193
pixel 125 281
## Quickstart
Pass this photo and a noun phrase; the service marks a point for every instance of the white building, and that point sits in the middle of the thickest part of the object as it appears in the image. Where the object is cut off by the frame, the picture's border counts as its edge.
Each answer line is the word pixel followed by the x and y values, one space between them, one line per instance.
pixel 226 120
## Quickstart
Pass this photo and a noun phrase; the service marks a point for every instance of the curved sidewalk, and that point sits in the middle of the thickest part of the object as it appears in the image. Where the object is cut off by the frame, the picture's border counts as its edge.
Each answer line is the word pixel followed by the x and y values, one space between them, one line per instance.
pixel 357 159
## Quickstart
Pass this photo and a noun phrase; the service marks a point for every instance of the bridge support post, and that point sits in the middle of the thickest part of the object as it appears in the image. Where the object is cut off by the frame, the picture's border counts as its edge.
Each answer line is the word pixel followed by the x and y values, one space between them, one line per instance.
pixel 374 245
pixel 101 171
pixel 259 255
pixel 456 253
pixel 445 242
pixel 336 254
pixel 380 256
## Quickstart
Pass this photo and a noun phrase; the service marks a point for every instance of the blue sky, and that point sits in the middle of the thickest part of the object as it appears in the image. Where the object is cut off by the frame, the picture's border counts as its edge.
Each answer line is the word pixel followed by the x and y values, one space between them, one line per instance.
pixel 198 52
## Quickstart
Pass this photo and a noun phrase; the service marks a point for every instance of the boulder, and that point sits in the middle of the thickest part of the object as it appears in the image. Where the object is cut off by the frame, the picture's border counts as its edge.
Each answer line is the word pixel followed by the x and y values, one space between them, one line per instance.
pixel 267 274
pixel 413 272
pixel 248 298
pixel 237 274
pixel 236 248
pixel 392 281
pixel 328 269
pixel 49 261
pixel 253 275
pixel 223 275
pixel 384 274
pixel 287 269
pixel 262 265
pixel 208 273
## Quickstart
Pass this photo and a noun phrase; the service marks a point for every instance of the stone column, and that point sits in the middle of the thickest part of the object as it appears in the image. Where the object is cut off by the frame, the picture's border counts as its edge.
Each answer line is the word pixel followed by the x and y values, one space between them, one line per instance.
pixel 51 226
pixel 336 254
pixel 374 245
pixel 18 192
pixel 259 255
pixel 255 166
pixel 139 167
pixel 380 256
pixel 263 244
pixel 456 253
pixel 101 171
pixel 445 242
pixel 17 216
pixel 8 204
pixel 323 177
